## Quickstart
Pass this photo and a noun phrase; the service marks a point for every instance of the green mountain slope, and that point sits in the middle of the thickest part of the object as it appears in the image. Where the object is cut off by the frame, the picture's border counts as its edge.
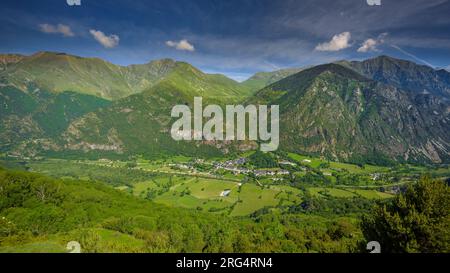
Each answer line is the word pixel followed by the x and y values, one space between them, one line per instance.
pixel 59 72
pixel 333 111
pixel 28 117
pixel 263 79
pixel 140 124
pixel 404 74
pixel 41 94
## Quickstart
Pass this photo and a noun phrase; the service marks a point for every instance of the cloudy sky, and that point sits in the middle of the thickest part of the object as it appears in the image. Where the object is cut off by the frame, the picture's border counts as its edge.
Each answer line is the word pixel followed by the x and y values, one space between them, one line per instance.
pixel 234 37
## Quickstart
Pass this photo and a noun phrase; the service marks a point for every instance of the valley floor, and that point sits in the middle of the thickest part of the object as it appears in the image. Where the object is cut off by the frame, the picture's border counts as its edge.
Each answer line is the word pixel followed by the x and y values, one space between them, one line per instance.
pixel 245 187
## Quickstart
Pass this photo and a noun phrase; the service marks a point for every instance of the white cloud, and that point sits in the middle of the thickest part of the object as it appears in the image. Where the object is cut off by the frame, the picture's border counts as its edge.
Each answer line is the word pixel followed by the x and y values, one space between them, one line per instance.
pixel 338 42
pixel 181 45
pixel 55 29
pixel 106 41
pixel 368 45
pixel 371 44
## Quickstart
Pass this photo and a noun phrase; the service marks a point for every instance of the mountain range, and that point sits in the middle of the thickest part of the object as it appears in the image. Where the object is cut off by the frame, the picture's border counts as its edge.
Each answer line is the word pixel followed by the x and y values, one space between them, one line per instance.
pixel 334 111
pixel 379 110
pixel 404 74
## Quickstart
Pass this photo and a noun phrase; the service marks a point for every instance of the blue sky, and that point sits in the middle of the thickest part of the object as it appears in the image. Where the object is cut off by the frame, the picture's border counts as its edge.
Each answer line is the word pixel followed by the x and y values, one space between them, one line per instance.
pixel 233 37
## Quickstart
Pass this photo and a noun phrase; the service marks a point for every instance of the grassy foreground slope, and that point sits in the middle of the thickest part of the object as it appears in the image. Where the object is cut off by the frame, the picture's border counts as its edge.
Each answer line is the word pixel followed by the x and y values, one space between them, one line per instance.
pixel 40 214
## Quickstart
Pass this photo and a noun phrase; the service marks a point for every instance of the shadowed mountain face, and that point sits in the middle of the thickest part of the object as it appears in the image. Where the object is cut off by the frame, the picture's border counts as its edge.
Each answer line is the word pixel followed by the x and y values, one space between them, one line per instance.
pixel 405 75
pixel 377 111
pixel 333 111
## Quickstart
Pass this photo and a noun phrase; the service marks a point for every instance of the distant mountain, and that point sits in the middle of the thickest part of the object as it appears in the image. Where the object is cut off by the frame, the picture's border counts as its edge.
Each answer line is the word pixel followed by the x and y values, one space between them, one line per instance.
pixel 404 74
pixel 33 114
pixel 334 111
pixel 263 79
pixel 59 72
pixel 140 123
pixel 378 111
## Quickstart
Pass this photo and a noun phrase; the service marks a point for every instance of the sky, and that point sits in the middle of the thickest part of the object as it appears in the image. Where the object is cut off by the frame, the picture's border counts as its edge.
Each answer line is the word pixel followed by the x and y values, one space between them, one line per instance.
pixel 234 37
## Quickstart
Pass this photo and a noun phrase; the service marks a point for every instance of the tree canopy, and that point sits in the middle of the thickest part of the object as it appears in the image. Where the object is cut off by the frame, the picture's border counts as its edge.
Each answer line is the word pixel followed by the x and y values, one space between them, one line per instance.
pixel 417 220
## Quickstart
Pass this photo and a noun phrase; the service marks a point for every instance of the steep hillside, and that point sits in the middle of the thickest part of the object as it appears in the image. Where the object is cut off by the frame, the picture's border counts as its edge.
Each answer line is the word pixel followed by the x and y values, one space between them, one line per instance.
pixel 333 111
pixel 27 117
pixel 42 94
pixel 140 124
pixel 339 111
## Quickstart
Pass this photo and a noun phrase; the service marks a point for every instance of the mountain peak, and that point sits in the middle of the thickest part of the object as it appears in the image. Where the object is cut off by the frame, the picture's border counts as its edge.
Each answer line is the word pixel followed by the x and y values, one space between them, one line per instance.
pixel 49 53
pixel 332 68
pixel 404 74
pixel 385 59
pixel 164 61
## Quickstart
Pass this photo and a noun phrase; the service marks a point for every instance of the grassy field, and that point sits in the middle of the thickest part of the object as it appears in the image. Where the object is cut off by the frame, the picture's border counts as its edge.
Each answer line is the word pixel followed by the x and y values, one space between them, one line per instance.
pixel 337 166
pixel 182 187
pixel 372 194
pixel 288 195
pixel 253 198
pixel 310 161
pixel 37 247
pixel 347 193
pixel 203 188
pixel 205 194
pixel 322 191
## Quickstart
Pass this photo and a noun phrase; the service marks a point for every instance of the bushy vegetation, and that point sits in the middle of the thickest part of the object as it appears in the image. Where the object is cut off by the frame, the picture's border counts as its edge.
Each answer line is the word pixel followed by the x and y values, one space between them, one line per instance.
pixel 417 220
pixel 38 209
pixel 263 160
pixel 112 175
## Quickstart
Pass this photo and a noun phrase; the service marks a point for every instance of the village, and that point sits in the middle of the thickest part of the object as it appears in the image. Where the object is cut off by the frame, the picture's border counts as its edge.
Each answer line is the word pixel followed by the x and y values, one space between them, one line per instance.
pixel 236 167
